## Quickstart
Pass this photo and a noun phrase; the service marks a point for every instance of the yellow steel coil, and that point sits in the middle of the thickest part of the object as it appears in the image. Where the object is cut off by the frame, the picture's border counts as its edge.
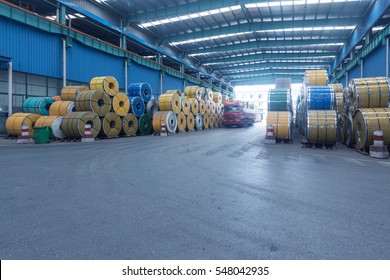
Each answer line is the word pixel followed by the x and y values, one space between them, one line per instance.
pixel 370 92
pixel 129 125
pixel 108 84
pixel 202 107
pixel 217 97
pixel 170 102
pixel 212 107
pixel 190 122
pixel 93 100
pixel 120 104
pixel 281 123
pixel 70 93
pixel 167 117
pixel 208 107
pixel 170 91
pixel 321 126
pixel 194 105
pixel 111 125
pixel 181 122
pixel 211 121
pixel 366 121
pixel 316 78
pixel 15 122
pixel 73 124
pixel 61 108
pixel 185 105
pixel 193 92
pixel 338 98
pixel 206 121
pixel 54 122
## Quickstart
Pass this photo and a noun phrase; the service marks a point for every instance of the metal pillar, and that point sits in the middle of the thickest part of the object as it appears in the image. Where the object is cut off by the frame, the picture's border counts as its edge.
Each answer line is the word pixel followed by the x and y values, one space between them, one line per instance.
pixel 10 88
pixel 346 78
pixel 387 57
pixel 64 62
pixel 126 76
pixel 361 68
pixel 161 82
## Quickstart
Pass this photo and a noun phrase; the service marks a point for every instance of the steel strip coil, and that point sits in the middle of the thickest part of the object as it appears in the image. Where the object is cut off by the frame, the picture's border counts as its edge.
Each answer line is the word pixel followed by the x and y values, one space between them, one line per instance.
pixel 181 122
pixel 208 107
pixel 279 100
pixel 170 102
pixel 316 78
pixel 137 106
pixel 38 105
pixel 168 117
pixel 93 100
pixel 211 121
pixel 225 98
pixel 61 108
pixel 73 124
pixel 198 121
pixel 366 121
pixel 370 92
pixel 322 126
pixel 206 121
pixel 320 98
pixel 15 122
pixel 54 122
pixel 129 125
pixel 120 104
pixel 202 107
pixel 185 105
pixel 69 93
pixel 217 97
pixel 190 122
pixel 338 97
pixel 145 124
pixel 194 105
pixel 107 84
pixel 171 91
pixel 143 90
pixel 193 92
pixel 111 125
pixel 151 107
pixel 56 98
pixel 281 122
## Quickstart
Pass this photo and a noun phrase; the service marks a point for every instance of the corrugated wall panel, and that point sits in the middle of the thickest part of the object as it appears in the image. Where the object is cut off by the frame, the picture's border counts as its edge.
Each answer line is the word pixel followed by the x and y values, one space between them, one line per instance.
pixel 92 8
pixel 375 64
pixel 84 63
pixel 354 73
pixel 33 51
pixel 170 82
pixel 140 74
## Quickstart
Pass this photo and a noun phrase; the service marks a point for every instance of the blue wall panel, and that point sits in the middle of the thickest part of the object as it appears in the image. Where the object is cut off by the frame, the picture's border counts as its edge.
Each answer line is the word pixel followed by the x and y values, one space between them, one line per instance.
pixel 33 51
pixel 140 74
pixel 188 84
pixel 375 64
pixel 354 73
pixel 84 63
pixel 170 82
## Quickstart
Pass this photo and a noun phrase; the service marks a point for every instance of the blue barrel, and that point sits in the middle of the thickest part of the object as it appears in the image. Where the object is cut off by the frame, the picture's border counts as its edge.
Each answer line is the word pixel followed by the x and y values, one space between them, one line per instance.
pixel 142 90
pixel 38 105
pixel 137 106
pixel 320 98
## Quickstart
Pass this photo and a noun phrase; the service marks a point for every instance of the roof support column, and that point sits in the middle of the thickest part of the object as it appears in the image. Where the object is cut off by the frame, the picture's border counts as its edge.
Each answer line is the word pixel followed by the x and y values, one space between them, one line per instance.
pixel 387 57
pixel 62 15
pixel 63 62
pixel 123 42
pixel 158 58
pixel 361 68
pixel 10 88
pixel 125 61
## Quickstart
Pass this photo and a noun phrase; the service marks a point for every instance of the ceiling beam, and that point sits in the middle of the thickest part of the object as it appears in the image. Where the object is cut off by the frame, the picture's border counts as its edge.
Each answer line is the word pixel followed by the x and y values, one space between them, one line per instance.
pixel 263 73
pixel 264 44
pixel 261 26
pixel 271 64
pixel 265 80
pixel 266 56
pixel 189 8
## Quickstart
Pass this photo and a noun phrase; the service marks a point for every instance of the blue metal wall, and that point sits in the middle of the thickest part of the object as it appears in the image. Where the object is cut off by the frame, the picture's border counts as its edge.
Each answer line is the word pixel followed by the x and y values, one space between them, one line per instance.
pixel 33 51
pixel 170 82
pixel 354 73
pixel 140 74
pixel 375 64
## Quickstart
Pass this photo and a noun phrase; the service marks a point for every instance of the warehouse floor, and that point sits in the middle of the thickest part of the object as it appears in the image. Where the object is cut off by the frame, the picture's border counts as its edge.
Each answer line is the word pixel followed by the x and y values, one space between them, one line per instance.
pixel 217 194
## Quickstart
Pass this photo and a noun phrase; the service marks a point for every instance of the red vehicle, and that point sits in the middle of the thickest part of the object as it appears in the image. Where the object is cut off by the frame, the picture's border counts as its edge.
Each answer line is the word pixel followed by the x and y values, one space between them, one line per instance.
pixel 235 114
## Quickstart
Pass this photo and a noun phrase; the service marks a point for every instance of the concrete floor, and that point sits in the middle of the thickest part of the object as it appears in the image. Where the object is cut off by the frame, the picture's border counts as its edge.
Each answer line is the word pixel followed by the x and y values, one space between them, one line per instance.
pixel 217 194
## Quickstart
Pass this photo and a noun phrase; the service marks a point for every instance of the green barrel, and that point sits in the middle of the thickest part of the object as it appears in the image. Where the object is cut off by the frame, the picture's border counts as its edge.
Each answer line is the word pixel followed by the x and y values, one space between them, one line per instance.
pixel 42 134
pixel 145 124
pixel 279 100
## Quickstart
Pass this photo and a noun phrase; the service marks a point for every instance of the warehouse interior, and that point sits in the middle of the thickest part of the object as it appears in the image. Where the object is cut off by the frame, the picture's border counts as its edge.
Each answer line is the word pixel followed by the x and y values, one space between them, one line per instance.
pixel 293 177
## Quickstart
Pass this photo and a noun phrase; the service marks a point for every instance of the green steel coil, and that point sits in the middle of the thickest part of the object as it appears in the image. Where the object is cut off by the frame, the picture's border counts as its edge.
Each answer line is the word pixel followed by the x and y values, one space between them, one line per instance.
pixel 145 124
pixel 279 100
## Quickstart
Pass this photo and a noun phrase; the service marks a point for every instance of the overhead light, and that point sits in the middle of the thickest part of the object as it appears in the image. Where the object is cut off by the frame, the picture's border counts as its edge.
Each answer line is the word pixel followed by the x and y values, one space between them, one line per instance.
pixel 80 15
pixel 71 16
pixel 294 2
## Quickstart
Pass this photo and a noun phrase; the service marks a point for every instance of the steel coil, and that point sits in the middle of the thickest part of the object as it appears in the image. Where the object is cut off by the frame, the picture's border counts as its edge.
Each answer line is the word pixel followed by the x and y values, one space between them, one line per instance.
pixel 198 121
pixel 202 107
pixel 111 125
pixel 212 107
pixel 61 108
pixel 207 94
pixel 368 120
pixel 15 122
pixel 93 100
pixel 225 98
pixel 217 108
pixel 281 122
pixel 137 106
pixel 217 97
pixel 107 84
pixel 322 126
pixel 194 105
pixel 170 102
pixel 56 98
pixel 349 130
pixel 129 125
pixel 142 90
pixel 341 128
pixel 120 104
pixel 190 122
pixel 38 105
pixel 151 107
pixel 54 122
pixel 338 97
pixel 170 91
pixel 206 121
pixel 193 92
pixel 73 124
pixel 181 122
pixel 320 98
pixel 279 100
pixel 168 117
pixel 316 78
pixel 185 105
pixel 70 93
pixel 145 124
pixel 211 121
pixel 370 92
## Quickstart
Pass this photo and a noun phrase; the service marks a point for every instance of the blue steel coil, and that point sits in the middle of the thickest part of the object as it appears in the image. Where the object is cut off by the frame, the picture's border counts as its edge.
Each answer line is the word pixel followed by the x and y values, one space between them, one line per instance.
pixel 137 106
pixel 142 90
pixel 38 105
pixel 320 98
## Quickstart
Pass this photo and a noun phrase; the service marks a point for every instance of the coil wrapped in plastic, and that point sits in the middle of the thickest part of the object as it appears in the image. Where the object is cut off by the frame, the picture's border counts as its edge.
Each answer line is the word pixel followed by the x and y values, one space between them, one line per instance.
pixel 322 126
pixel 320 98
pixel 193 92
pixel 15 122
pixel 111 125
pixel 145 124
pixel 107 84
pixel 281 122
pixel 217 97
pixel 198 121
pixel 190 122
pixel 93 100
pixel 170 102
pixel 120 104
pixel 129 125
pixel 61 108
pixel 370 92
pixel 185 105
pixel 73 124
pixel 54 122
pixel 143 90
pixel 38 105
pixel 167 117
pixel 69 93
pixel 137 106
pixel 151 107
